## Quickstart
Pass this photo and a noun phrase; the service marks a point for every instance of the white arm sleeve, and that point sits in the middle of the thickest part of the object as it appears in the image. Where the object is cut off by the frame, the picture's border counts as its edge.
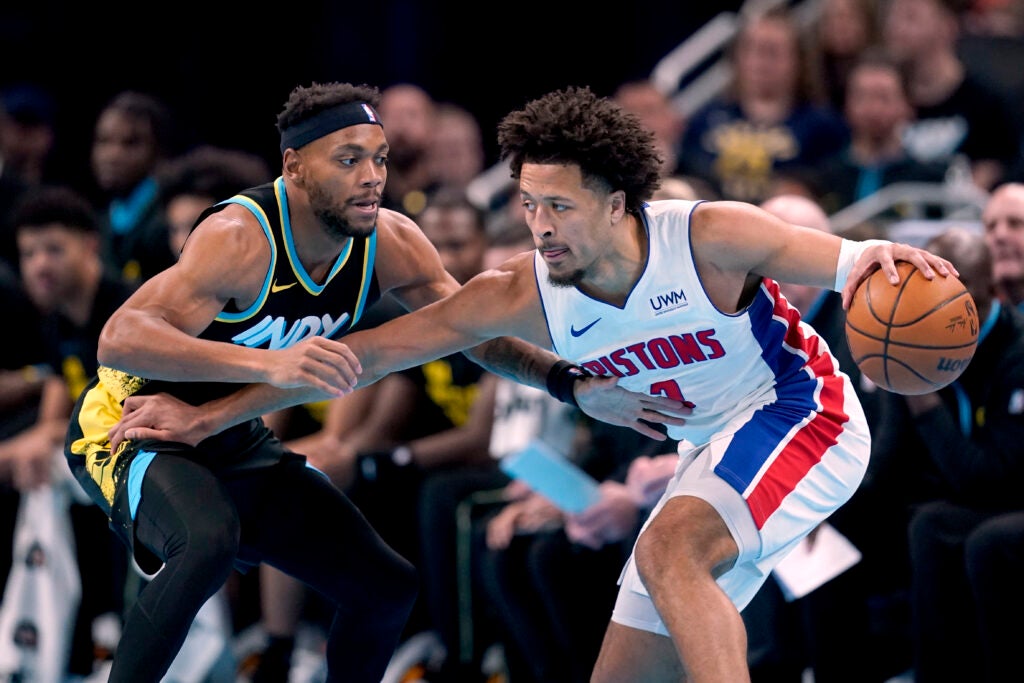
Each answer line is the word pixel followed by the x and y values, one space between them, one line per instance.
pixel 849 252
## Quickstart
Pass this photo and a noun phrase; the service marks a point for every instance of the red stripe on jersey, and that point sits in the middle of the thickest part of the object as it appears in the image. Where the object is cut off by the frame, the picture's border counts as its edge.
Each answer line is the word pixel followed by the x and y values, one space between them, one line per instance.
pixel 803 452
pixel 782 309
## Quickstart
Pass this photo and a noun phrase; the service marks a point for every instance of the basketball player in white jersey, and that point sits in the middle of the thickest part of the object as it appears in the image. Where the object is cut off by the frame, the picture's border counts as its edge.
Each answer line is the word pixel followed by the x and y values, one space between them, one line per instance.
pixel 678 299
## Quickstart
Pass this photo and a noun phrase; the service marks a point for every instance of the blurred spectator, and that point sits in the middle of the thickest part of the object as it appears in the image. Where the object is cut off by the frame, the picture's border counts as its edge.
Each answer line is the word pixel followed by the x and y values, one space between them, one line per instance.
pixel 658 114
pixel 58 243
pixel 955 112
pixel 877 113
pixel 506 207
pixel 967 543
pixel 428 418
pixel 59 246
pixel 27 139
pixel 520 413
pixel 134 134
pixel 506 237
pixel 773 117
pixel 456 149
pixel 196 179
pixel 23 374
pixel 797 180
pixel 27 132
pixel 1003 219
pixel 407 111
pixel 1004 18
pixel 683 187
pixel 552 576
pixel 843 30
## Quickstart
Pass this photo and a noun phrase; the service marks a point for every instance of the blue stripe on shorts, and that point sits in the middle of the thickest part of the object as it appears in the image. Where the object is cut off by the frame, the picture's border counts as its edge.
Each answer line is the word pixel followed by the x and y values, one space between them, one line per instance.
pixel 136 471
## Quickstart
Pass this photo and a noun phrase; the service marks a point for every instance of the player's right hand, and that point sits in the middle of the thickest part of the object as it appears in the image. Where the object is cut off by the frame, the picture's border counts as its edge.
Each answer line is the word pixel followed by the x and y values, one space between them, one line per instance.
pixel 324 364
pixel 603 399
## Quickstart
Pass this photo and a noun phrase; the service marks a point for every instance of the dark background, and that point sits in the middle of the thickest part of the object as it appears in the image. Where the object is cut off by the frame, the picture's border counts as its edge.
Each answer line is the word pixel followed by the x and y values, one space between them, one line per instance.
pixel 226 68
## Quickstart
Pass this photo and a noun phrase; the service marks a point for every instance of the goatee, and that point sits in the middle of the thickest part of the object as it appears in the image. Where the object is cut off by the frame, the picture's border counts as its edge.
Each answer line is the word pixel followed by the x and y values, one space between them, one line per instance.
pixel 571 280
pixel 336 224
pixel 332 218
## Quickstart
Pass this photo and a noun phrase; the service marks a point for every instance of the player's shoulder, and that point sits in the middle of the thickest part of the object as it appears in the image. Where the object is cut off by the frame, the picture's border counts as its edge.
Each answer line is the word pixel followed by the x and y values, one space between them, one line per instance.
pixel 723 211
pixel 390 221
pixel 399 236
pixel 668 208
pixel 234 224
pixel 523 261
pixel 507 281
pixel 672 215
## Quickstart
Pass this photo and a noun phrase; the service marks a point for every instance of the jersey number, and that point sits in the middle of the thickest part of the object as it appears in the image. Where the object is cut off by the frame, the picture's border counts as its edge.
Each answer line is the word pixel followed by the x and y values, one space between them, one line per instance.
pixel 670 389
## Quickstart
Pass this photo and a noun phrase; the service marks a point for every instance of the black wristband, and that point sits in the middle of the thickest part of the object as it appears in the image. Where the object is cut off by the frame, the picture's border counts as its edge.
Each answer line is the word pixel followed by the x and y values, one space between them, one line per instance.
pixel 562 377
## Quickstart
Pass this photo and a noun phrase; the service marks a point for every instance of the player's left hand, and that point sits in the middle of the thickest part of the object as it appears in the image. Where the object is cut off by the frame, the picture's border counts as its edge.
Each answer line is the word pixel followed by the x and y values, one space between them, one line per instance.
pixel 602 399
pixel 161 417
pixel 884 256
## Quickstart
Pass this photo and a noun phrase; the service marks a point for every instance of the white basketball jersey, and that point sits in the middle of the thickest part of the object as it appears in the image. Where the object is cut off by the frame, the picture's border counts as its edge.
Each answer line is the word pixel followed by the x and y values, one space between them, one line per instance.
pixel 669 339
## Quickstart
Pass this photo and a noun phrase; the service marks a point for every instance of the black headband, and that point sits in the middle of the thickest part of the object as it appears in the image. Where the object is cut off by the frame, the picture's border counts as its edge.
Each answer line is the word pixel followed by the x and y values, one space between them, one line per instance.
pixel 326 122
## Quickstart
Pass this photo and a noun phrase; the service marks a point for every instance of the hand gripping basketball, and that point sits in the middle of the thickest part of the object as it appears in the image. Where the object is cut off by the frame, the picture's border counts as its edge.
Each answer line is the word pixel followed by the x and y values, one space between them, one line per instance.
pixel 915 337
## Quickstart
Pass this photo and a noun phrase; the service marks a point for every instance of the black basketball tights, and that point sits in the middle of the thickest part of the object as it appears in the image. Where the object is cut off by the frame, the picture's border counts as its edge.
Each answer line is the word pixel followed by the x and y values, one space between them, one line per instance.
pixel 288 516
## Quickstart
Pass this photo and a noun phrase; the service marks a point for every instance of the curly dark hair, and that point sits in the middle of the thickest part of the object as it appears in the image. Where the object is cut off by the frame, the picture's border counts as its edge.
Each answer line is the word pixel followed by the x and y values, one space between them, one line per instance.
pixel 155 112
pixel 613 150
pixel 54 204
pixel 211 171
pixel 305 102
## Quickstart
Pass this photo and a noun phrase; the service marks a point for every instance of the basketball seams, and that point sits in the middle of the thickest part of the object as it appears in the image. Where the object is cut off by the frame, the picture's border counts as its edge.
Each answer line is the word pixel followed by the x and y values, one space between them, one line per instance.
pixel 915 337
pixel 938 306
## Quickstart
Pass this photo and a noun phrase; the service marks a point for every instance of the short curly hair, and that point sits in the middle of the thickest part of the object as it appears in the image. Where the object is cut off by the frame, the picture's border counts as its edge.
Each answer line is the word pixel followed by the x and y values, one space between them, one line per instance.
pixel 304 102
pixel 47 205
pixel 155 113
pixel 574 126
pixel 212 172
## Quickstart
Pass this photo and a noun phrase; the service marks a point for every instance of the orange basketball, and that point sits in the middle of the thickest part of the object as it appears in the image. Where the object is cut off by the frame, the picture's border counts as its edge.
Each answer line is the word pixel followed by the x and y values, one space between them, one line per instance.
pixel 914 337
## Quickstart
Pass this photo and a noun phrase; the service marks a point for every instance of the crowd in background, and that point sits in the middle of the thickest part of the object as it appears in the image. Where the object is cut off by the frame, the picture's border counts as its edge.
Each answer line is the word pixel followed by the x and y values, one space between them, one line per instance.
pixel 816 117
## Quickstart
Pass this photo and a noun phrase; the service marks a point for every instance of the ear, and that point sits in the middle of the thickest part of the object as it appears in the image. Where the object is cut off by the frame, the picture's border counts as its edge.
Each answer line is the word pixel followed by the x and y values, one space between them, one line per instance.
pixel 617 204
pixel 292 165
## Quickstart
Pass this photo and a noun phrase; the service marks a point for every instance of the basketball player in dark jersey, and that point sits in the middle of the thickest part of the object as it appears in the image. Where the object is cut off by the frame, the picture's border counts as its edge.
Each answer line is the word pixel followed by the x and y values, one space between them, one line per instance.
pixel 264 284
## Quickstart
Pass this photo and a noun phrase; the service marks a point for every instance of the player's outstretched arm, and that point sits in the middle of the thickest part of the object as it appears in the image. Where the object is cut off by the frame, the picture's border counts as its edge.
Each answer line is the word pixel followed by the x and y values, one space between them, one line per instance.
pixel 497 320
pixel 161 416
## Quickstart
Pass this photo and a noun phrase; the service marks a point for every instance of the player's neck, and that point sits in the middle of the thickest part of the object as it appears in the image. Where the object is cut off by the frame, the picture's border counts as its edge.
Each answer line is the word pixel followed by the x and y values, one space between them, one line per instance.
pixel 613 277
pixel 316 249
